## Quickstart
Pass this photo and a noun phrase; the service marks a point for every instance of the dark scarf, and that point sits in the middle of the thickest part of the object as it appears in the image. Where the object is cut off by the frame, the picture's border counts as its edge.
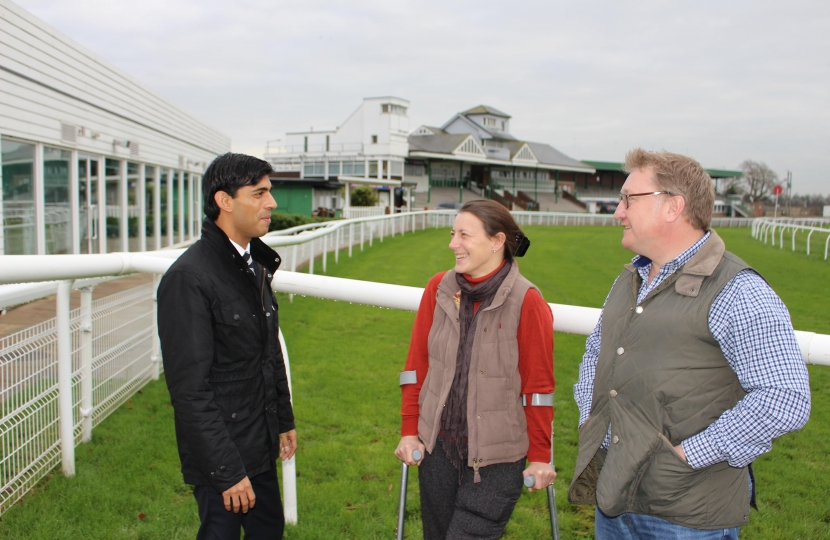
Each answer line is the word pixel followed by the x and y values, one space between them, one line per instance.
pixel 453 432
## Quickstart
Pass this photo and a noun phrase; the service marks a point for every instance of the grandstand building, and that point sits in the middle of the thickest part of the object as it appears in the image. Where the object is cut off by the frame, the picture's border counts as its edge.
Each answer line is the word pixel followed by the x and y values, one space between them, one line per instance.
pixel 473 153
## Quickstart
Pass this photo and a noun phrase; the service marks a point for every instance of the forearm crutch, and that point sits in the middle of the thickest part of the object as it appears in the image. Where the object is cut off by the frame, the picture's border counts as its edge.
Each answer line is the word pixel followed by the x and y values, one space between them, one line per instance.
pixel 407 377
pixel 545 400
pixel 416 456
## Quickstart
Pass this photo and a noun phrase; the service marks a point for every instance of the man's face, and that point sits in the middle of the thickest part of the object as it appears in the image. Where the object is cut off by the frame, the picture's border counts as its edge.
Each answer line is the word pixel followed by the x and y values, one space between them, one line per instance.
pixel 643 218
pixel 252 207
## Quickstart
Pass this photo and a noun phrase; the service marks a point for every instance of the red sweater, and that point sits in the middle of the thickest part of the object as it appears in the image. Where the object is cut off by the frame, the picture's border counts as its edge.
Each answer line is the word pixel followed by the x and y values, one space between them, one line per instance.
pixel 535 338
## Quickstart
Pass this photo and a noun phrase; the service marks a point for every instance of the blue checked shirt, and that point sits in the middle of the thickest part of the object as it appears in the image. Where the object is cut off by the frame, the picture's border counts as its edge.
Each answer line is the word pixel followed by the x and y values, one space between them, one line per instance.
pixel 755 334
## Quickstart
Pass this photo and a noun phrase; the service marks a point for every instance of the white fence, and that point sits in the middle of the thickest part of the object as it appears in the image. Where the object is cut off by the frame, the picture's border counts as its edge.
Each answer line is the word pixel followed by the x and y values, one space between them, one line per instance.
pixel 765 229
pixel 60 378
pixel 357 212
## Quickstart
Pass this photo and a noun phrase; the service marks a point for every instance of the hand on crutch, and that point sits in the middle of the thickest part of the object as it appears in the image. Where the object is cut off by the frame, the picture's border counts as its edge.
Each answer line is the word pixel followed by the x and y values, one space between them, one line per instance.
pixel 530 481
pixel 410 451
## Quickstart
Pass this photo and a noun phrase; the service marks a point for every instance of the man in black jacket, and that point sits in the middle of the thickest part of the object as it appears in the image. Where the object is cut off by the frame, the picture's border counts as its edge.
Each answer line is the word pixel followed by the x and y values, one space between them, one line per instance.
pixel 223 363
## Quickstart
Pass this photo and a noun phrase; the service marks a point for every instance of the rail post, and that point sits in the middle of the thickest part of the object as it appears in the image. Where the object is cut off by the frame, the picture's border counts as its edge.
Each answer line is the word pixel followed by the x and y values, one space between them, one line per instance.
pixel 65 408
pixel 86 364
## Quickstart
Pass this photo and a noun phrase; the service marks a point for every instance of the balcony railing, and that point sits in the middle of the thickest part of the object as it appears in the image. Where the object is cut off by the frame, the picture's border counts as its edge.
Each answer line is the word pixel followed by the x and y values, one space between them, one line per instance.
pixel 321 148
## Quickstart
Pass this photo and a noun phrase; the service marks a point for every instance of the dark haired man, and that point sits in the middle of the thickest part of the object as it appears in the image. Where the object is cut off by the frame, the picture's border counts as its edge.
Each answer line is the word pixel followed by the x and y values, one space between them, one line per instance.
pixel 691 372
pixel 223 363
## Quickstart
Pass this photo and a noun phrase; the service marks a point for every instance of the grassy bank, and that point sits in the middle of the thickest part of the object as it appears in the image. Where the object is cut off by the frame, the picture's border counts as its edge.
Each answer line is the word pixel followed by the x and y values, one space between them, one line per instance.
pixel 345 361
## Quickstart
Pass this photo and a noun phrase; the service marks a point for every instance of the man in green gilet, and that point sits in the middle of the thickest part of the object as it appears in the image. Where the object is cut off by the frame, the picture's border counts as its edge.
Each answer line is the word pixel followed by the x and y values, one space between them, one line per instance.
pixel 691 371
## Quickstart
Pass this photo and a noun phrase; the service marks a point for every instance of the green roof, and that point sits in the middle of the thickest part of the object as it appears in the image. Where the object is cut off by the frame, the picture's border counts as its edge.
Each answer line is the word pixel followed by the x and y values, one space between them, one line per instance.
pixel 618 166
pixel 724 173
pixel 605 165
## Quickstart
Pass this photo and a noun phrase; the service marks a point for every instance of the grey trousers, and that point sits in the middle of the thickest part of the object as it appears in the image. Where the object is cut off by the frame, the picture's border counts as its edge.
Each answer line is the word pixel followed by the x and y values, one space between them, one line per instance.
pixel 482 510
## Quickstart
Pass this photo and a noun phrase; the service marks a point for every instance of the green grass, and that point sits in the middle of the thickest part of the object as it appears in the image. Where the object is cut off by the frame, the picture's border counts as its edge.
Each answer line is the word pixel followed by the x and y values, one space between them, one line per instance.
pixel 345 361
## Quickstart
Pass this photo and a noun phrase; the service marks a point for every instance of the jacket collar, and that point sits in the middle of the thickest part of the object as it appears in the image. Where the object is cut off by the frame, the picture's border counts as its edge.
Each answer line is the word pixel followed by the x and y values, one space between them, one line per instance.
pixel 260 252
pixel 450 287
pixel 689 278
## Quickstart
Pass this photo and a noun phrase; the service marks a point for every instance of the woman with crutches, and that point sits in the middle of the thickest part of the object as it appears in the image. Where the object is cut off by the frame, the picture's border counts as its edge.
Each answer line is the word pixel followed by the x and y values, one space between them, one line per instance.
pixel 477 393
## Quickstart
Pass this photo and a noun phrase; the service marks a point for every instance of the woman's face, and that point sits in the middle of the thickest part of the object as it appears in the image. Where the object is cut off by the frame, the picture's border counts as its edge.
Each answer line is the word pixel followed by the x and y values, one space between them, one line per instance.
pixel 476 254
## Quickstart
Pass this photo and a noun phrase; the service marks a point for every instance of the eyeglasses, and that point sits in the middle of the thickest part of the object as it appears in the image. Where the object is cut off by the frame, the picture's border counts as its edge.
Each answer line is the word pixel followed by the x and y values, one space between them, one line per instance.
pixel 627 198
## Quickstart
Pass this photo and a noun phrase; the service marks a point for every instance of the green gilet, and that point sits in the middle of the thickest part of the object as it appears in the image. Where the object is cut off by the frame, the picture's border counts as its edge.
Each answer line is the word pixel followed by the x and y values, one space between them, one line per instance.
pixel 660 378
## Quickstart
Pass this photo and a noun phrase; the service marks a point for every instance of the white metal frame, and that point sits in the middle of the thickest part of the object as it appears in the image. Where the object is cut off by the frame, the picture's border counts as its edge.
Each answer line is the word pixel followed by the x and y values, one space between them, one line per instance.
pixel 763 229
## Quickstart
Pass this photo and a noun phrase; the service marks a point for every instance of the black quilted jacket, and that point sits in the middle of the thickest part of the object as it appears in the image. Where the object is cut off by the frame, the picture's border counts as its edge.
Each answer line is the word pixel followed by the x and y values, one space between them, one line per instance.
pixel 223 364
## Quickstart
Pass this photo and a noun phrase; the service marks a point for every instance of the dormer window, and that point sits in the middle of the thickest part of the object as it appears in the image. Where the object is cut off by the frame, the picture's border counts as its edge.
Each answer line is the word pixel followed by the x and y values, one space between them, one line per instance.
pixel 489 122
pixel 391 108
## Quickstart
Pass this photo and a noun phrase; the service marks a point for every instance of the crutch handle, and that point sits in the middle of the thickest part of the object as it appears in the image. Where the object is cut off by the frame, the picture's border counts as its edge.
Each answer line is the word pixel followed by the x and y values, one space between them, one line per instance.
pixel 417 455
pixel 530 481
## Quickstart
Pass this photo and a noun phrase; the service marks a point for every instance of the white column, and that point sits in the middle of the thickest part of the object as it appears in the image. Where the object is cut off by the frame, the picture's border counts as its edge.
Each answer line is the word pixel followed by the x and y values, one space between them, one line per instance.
pixel 102 204
pixel 181 206
pixel 337 245
pixel 311 258
pixel 123 192
pixel 155 357
pixel 289 466
pixel 170 237
pixel 348 206
pixel 141 200
pixel 74 204
pixel 197 215
pixel 366 168
pixel 191 201
pixel 157 208
pixel 2 228
pixel 40 207
pixel 325 251
pixel 86 364
pixel 65 409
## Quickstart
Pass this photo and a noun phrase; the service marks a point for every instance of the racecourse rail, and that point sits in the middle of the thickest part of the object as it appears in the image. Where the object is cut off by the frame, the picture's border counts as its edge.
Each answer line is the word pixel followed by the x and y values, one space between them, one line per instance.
pixel 60 378
pixel 765 229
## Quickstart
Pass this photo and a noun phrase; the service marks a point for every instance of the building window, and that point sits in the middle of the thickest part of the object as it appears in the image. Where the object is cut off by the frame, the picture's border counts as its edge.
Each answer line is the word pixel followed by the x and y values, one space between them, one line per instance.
pixel 327 143
pixel 489 122
pixel 313 169
pixel 374 139
pixel 57 213
pixel 305 144
pixel 334 168
pixel 353 168
pixel 387 108
pixel 18 203
pixel 415 170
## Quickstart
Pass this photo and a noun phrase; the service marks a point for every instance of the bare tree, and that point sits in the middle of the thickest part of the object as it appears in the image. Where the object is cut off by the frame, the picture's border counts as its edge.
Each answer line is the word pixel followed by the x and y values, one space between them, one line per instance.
pixel 758 180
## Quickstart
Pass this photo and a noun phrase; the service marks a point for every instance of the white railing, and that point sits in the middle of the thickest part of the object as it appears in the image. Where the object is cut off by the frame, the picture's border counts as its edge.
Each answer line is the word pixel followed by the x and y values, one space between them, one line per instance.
pixel 60 378
pixel 765 229
pixel 333 148
pixel 356 212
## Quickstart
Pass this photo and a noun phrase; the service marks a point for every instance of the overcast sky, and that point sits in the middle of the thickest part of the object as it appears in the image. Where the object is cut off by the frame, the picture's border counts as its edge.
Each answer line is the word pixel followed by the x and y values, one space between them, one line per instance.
pixel 722 81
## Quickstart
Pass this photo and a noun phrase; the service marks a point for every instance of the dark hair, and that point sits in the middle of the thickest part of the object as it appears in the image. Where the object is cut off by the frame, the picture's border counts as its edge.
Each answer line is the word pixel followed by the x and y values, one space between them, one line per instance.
pixel 228 173
pixel 496 219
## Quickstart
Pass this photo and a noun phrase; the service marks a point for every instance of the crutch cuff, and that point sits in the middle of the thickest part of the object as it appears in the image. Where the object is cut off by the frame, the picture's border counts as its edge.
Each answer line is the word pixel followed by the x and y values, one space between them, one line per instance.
pixel 538 400
pixel 409 377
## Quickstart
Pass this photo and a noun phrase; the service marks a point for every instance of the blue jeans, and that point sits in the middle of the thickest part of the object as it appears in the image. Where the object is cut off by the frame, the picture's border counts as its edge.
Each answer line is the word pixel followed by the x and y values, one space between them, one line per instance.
pixel 641 527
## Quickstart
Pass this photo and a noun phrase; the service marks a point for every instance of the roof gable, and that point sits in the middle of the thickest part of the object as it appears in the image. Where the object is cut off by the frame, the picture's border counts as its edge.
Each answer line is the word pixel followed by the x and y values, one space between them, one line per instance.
pixel 469 146
pixel 425 130
pixel 525 154
pixel 486 109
